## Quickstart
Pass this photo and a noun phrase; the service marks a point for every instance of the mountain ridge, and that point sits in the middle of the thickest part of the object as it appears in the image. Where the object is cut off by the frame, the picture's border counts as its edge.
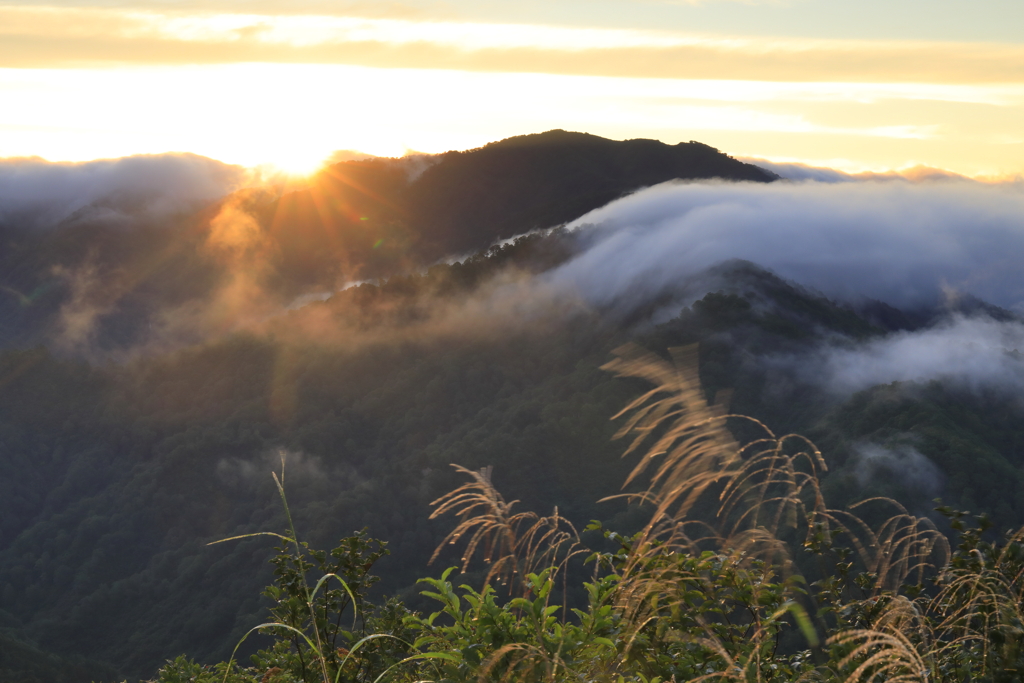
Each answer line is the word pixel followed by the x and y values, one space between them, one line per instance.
pixel 357 220
pixel 464 201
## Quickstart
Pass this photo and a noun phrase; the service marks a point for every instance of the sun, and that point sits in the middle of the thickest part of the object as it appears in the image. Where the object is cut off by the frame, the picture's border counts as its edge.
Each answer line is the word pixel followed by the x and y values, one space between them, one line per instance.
pixel 299 162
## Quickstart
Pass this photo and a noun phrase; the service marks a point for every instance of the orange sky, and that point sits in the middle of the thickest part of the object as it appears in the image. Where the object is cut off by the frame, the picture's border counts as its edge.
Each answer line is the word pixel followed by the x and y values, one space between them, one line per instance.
pixel 891 85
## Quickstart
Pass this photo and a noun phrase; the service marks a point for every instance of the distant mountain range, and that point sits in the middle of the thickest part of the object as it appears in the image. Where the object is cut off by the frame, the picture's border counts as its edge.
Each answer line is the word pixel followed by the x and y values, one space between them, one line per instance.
pixel 117 476
pixel 375 214
pixel 153 372
pixel 359 219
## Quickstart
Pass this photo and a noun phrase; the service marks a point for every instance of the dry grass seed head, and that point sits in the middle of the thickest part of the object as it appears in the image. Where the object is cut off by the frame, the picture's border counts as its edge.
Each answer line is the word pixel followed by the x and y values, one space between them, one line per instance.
pixel 692 449
pixel 484 516
pixel 880 657
pixel 512 544
pixel 523 662
pixel 900 548
pixel 765 485
pixel 772 488
pixel 974 604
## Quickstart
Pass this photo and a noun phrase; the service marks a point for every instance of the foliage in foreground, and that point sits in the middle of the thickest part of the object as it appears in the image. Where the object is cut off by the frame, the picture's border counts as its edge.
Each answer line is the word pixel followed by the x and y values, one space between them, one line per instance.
pixel 742 573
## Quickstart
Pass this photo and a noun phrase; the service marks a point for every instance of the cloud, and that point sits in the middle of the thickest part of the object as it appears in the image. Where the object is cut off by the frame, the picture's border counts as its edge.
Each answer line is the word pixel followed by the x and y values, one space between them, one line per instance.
pixel 292 467
pixel 904 462
pixel 241 298
pixel 90 297
pixel 973 353
pixel 910 244
pixel 35 193
pixel 68 36
pixel 902 243
pixel 801 172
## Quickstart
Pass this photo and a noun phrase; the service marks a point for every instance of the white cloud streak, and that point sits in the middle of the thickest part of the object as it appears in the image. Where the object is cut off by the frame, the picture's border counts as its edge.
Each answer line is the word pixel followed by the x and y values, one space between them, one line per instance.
pixel 971 353
pixel 911 244
pixel 903 461
pixel 900 242
pixel 39 194
pixel 824 174
pixel 316 29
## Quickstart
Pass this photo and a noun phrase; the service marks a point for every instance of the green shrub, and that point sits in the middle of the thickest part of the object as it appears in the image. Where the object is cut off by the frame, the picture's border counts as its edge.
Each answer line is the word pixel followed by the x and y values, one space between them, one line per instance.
pixel 743 573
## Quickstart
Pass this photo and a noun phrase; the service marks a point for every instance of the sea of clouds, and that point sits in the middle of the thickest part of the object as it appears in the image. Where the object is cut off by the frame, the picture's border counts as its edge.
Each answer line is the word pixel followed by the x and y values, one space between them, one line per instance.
pixel 910 244
pixel 38 194
pixel 912 240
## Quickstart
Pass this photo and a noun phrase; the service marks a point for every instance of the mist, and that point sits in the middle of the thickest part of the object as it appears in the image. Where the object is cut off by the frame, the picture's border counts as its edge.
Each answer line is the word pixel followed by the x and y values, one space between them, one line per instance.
pixel 38 194
pixel 903 461
pixel 972 353
pixel 823 174
pixel 908 244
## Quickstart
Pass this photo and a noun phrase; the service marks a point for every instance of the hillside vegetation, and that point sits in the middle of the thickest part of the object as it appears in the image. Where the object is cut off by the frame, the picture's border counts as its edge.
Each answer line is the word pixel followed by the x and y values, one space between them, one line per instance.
pixel 102 287
pixel 118 475
pixel 743 573
pixel 153 377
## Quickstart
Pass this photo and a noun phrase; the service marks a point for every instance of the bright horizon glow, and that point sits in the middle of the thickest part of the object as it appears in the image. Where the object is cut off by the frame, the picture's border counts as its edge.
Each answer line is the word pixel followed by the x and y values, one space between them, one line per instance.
pixel 304 30
pixel 274 85
pixel 295 115
pixel 298 164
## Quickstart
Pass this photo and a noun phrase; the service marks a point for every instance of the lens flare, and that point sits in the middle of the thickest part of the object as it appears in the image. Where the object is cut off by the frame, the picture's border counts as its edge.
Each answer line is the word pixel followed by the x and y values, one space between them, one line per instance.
pixel 298 162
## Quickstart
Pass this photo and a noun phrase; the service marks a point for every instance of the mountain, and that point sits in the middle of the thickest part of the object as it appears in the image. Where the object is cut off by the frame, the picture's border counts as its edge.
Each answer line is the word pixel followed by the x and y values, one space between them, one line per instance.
pixel 214 348
pixel 119 475
pixel 366 218
pixel 106 285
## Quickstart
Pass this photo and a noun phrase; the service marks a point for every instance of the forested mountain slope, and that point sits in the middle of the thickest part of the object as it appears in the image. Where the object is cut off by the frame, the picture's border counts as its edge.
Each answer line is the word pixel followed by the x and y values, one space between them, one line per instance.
pixel 153 375
pixel 118 475
pixel 105 286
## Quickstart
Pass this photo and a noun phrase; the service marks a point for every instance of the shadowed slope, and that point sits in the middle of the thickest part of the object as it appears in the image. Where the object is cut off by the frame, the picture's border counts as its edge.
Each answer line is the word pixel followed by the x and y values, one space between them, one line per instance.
pixel 370 217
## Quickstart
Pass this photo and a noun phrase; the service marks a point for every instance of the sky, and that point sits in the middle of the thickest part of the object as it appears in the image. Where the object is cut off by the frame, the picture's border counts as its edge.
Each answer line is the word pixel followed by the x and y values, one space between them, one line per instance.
pixel 865 86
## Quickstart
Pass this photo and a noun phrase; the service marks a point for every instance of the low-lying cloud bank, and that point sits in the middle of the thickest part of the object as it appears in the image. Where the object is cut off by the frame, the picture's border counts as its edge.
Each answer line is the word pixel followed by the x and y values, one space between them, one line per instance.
pixel 904 462
pixel 823 174
pixel 908 244
pixel 970 353
pixel 38 194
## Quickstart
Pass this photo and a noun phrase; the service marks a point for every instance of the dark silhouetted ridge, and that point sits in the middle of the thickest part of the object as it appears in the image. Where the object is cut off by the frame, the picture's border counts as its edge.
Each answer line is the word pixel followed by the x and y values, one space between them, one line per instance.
pixel 378 216
pixel 357 220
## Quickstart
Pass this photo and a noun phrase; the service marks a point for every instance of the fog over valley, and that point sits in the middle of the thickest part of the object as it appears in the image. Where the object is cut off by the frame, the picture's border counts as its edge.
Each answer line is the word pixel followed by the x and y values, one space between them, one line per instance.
pixel 37 194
